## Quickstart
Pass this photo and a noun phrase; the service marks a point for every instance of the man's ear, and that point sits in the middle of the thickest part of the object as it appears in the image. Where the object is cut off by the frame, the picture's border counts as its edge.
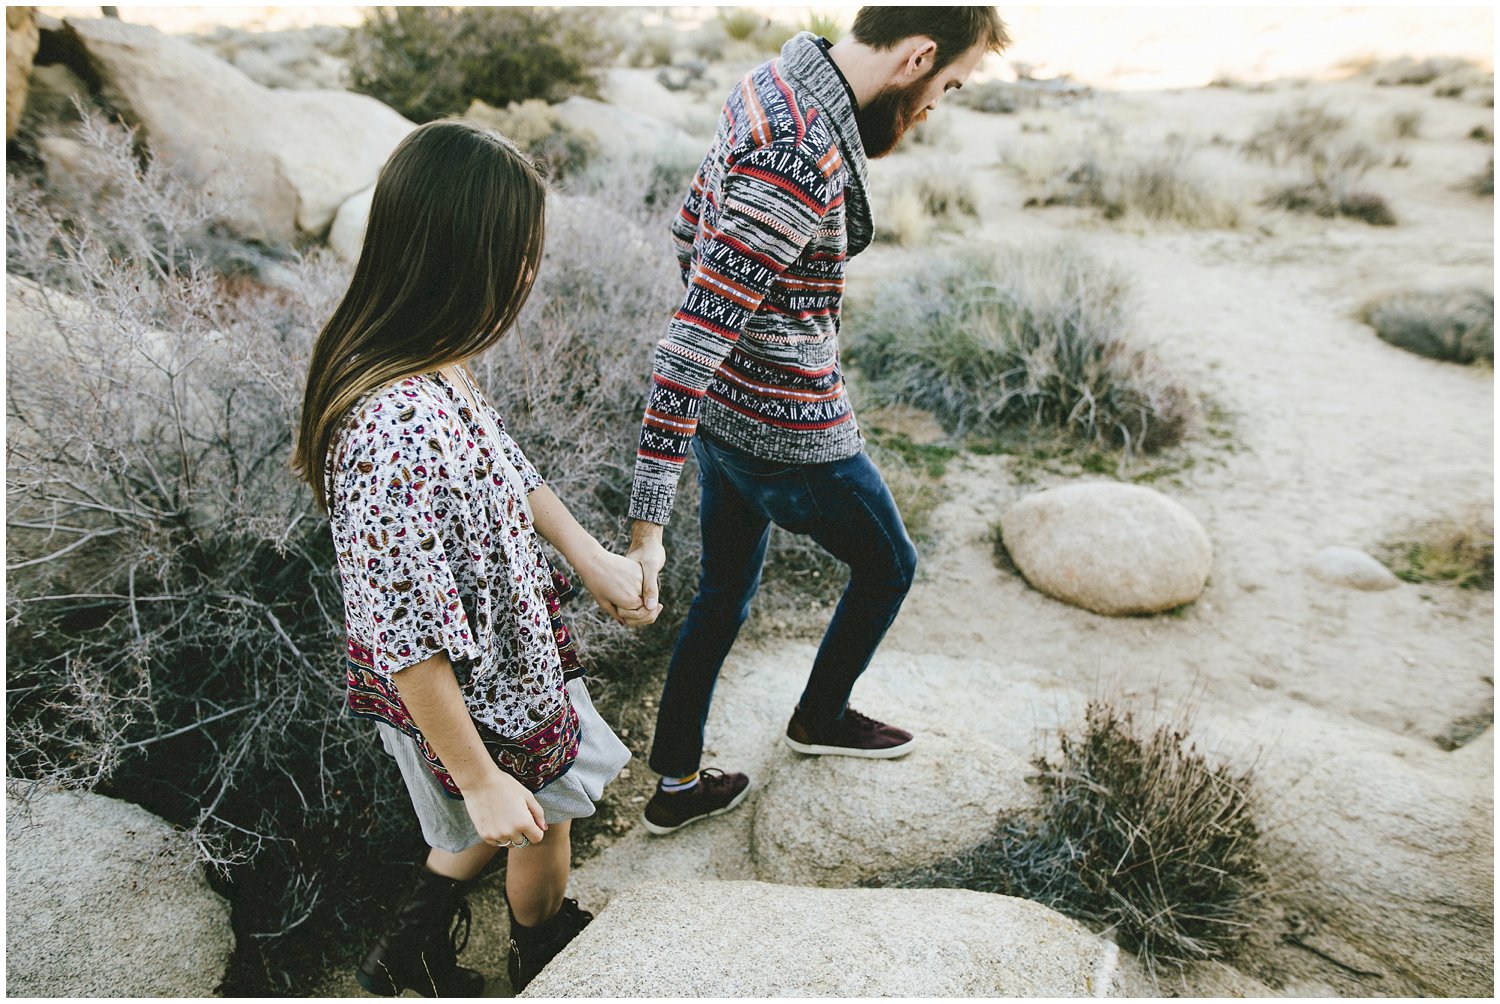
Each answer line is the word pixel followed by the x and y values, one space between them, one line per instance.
pixel 920 56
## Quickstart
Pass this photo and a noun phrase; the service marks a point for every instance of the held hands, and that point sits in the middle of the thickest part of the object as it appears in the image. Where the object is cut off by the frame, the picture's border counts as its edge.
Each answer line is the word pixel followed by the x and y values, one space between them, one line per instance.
pixel 646 549
pixel 618 583
pixel 504 811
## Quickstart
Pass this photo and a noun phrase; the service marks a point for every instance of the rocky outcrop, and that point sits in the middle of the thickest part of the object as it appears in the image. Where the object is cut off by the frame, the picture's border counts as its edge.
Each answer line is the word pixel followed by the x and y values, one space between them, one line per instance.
pixel 1110 548
pixel 750 939
pixel 1352 568
pixel 833 821
pixel 21 39
pixel 288 159
pixel 103 899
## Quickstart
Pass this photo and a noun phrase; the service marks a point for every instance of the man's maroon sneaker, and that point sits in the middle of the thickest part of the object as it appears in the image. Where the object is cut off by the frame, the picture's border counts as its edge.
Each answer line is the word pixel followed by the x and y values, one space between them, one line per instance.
pixel 853 735
pixel 715 793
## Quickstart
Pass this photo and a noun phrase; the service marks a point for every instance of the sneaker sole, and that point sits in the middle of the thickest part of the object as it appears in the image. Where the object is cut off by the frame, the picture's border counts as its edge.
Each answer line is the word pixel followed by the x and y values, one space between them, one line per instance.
pixel 889 753
pixel 662 831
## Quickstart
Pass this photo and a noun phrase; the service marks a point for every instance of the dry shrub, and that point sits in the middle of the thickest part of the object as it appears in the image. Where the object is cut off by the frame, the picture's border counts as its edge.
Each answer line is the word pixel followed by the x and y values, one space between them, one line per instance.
pixel 995 97
pixel 917 203
pixel 1139 834
pixel 535 126
pixel 825 24
pixel 1455 326
pixel 1329 185
pixel 1405 124
pixel 1035 338
pixel 1482 133
pixel 1406 71
pixel 428 62
pixel 1162 183
pixel 1458 549
pixel 1482 182
pixel 1296 131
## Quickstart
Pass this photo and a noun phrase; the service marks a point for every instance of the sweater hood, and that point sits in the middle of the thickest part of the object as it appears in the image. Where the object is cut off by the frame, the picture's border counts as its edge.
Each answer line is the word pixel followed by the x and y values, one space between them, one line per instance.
pixel 810 69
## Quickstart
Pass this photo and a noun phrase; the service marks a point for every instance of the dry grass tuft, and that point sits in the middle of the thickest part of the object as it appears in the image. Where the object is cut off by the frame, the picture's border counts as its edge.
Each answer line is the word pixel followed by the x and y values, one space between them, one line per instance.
pixel 1455 326
pixel 1459 550
pixel 1301 130
pixel 1036 338
pixel 1162 184
pixel 1137 833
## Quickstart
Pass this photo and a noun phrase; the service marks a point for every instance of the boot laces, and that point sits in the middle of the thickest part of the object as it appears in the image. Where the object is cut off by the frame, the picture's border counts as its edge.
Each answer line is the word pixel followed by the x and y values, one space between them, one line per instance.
pixel 461 918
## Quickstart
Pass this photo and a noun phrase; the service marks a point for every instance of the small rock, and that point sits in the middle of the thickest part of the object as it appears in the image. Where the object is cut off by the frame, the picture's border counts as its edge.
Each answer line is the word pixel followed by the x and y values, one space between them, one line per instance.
pixel 1347 566
pixel 1110 548
pixel 347 235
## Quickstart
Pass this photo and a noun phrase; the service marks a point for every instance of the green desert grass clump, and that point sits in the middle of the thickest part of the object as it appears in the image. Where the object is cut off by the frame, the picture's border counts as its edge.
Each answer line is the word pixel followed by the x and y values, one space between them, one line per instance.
pixel 1137 833
pixel 428 62
pixel 1031 339
pixel 1455 326
pixel 1459 550
pixel 535 126
pixel 824 24
pixel 1162 184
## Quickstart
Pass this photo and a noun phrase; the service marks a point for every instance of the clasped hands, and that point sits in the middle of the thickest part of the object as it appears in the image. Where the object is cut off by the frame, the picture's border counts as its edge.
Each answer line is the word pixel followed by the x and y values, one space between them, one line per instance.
pixel 625 586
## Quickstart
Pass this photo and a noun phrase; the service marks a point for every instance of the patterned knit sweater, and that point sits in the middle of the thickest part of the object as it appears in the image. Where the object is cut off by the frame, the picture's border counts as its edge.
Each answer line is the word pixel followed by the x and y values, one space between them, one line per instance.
pixel 775 210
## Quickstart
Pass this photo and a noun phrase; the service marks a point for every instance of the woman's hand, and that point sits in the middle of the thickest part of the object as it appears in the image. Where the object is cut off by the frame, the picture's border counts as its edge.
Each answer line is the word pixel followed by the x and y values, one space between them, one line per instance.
pixel 618 584
pixel 504 812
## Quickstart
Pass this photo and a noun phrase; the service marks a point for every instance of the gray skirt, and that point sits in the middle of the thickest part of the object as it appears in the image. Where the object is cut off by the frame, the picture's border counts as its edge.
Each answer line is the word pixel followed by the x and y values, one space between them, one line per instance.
pixel 445 821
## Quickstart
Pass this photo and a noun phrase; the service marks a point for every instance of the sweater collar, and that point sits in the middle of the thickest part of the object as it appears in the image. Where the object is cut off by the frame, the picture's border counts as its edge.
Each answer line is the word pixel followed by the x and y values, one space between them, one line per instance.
pixel 812 70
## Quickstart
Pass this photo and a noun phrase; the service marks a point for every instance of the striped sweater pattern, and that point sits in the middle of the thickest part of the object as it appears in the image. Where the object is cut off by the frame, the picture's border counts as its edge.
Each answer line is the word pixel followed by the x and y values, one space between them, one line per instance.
pixel 774 212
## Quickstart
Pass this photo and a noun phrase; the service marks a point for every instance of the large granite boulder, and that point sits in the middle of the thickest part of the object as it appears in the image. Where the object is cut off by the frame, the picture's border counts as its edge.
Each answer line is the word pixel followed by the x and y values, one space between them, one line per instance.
pixel 289 158
pixel 1110 548
pixel 103 899
pixel 752 939
pixel 21 39
pixel 833 820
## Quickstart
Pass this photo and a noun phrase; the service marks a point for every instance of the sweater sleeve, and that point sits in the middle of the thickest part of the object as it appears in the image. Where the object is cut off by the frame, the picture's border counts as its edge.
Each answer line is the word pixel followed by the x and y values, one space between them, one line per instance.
pixel 685 226
pixel 771 203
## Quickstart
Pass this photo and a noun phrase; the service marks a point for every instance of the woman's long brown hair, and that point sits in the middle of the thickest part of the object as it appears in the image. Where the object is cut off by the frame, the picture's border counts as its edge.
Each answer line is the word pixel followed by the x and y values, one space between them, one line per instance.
pixel 452 246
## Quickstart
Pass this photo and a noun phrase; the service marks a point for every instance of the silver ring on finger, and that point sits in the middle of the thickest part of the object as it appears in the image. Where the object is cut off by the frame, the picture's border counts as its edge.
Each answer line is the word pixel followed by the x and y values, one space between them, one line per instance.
pixel 524 842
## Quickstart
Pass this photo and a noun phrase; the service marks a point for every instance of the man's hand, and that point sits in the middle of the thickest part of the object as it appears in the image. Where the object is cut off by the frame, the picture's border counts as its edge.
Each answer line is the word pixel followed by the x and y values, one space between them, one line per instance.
pixel 617 583
pixel 646 548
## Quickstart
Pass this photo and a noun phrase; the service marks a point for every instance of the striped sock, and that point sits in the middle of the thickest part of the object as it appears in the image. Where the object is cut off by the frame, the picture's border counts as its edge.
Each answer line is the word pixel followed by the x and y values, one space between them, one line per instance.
pixel 672 785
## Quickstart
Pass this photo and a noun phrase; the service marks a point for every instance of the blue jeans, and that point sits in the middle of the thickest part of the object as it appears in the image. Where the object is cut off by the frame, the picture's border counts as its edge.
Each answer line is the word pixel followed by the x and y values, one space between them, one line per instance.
pixel 847 509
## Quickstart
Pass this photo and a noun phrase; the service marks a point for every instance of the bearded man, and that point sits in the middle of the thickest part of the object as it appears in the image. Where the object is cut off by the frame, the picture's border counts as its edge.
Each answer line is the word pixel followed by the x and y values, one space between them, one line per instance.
pixel 748 377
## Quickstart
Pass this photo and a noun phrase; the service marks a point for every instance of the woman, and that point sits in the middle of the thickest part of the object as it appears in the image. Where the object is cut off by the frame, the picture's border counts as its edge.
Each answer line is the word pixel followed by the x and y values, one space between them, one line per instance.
pixel 455 647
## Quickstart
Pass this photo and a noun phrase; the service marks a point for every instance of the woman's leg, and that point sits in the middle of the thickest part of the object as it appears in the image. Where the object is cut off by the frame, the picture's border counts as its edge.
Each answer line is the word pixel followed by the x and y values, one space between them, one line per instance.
pixel 537 876
pixel 464 865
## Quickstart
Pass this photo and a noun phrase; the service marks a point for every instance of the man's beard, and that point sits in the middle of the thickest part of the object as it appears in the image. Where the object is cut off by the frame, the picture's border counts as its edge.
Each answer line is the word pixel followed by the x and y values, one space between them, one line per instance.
pixel 886 117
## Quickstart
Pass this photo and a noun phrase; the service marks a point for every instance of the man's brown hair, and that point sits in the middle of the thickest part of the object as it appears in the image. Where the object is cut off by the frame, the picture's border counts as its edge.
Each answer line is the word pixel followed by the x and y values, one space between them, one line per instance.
pixel 954 29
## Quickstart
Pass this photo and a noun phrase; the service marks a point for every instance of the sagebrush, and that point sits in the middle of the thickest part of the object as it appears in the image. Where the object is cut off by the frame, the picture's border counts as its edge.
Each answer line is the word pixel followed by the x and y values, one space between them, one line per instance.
pixel 1036 338
pixel 1456 549
pixel 429 62
pixel 1138 834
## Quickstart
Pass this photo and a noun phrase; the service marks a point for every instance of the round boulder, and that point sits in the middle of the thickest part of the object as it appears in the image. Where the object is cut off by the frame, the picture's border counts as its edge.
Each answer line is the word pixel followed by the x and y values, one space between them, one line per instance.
pixel 1346 566
pixel 834 820
pixel 104 899
pixel 1111 548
